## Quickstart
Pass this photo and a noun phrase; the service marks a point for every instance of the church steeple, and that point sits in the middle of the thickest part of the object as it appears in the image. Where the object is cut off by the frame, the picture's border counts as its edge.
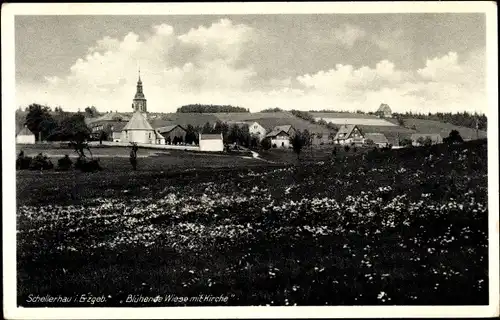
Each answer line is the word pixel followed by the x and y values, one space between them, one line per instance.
pixel 139 103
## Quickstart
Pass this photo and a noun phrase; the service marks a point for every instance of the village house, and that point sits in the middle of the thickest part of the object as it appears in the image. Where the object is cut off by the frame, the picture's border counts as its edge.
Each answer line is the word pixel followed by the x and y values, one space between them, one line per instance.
pixel 116 131
pixel 173 133
pixel 257 130
pixel 384 111
pixel 25 136
pixel 211 142
pixel 349 134
pixel 279 139
pixel 288 129
pixel 139 130
pixel 418 139
pixel 379 139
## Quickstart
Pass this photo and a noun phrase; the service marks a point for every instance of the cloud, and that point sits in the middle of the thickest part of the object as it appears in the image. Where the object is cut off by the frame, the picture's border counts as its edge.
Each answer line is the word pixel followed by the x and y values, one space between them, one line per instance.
pixel 206 65
pixel 348 34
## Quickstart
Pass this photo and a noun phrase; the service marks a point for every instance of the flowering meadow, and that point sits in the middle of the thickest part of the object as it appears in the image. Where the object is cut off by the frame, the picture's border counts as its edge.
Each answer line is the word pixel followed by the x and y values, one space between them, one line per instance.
pixel 402 227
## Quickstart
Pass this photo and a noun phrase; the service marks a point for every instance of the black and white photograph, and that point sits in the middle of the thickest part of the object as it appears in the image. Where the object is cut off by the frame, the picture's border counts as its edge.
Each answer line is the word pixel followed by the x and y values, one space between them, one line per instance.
pixel 253 159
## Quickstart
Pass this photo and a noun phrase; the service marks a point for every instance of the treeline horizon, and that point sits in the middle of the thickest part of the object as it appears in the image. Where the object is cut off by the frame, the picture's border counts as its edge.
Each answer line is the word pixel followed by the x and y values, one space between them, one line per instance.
pixel 463 119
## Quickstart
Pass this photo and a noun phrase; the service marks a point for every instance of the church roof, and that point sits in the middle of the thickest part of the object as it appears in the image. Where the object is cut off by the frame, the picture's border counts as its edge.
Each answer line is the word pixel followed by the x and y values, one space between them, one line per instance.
pixel 384 108
pixel 138 122
pixel 25 132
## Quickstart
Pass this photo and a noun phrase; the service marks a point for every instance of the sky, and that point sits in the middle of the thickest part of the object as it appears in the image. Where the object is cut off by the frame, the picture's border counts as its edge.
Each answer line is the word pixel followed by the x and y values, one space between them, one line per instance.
pixel 419 62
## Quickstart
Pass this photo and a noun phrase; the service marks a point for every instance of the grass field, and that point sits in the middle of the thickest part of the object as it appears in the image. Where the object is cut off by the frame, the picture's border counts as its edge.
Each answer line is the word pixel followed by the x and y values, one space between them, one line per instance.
pixel 405 227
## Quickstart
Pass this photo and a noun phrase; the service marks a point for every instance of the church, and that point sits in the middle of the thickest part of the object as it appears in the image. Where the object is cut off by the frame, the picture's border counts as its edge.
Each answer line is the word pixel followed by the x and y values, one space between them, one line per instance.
pixel 138 129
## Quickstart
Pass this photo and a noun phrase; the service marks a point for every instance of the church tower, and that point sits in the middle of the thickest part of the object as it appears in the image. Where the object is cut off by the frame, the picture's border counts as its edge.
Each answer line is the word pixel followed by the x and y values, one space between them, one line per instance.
pixel 139 103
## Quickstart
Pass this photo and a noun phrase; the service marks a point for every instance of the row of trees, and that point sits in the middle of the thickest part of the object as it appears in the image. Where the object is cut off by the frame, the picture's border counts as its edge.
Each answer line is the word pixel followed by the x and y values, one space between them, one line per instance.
pixel 56 125
pixel 209 108
pixel 462 119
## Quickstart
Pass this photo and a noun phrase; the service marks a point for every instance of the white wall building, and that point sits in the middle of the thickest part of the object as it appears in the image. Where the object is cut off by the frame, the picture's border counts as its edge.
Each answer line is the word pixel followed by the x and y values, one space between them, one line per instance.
pixel 257 130
pixel 25 136
pixel 211 142
pixel 279 138
pixel 139 130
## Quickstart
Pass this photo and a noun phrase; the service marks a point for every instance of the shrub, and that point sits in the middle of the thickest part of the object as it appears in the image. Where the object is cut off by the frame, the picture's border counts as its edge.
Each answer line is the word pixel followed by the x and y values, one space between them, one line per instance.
pixel 274 145
pixel 40 162
pixel 346 148
pixel 86 165
pixel 265 144
pixel 64 164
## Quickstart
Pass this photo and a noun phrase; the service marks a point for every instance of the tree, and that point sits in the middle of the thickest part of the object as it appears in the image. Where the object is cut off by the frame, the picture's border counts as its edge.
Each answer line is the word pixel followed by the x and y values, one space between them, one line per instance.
pixel 427 141
pixel 299 140
pixel 40 121
pixel 369 142
pixel 222 127
pixel 401 121
pixel 454 137
pixel 91 112
pixel 191 135
pixel 207 128
pixel 103 136
pixel 265 144
pixel 406 142
pixel 420 141
pixel 71 127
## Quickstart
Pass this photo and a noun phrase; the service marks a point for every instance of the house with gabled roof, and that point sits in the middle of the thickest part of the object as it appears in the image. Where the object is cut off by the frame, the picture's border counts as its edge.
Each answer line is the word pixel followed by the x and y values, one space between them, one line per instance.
pixel 25 136
pixel 379 139
pixel 139 130
pixel 289 129
pixel 349 134
pixel 173 133
pixel 279 138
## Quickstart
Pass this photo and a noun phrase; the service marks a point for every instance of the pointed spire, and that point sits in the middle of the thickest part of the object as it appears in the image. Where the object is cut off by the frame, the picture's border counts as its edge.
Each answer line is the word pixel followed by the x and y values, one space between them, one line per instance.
pixel 139 75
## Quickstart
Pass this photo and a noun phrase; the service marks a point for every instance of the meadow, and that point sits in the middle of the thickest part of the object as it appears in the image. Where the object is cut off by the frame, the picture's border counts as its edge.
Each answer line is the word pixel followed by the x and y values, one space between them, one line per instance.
pixel 407 226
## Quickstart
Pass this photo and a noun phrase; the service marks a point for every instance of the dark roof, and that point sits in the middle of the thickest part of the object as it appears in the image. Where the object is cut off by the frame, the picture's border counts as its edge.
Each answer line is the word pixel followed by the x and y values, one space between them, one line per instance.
pixel 376 137
pixel 118 126
pixel 169 128
pixel 274 133
pixel 346 130
pixel 138 122
pixel 384 108
pixel 285 128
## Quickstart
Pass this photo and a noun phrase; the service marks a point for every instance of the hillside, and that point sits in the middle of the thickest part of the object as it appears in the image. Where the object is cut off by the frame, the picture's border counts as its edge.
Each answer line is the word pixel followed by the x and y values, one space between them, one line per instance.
pixel 431 126
pixel 271 119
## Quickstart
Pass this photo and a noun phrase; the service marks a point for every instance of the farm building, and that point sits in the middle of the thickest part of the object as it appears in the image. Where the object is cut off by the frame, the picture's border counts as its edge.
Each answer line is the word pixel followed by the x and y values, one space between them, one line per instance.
pixel 25 136
pixel 211 142
pixel 287 128
pixel 418 139
pixel 115 131
pixel 384 111
pixel 279 139
pixel 257 130
pixel 379 139
pixel 348 134
pixel 173 133
pixel 139 130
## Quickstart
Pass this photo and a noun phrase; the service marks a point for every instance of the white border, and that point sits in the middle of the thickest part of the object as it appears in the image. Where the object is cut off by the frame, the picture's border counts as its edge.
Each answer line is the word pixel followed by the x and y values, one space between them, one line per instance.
pixel 8 145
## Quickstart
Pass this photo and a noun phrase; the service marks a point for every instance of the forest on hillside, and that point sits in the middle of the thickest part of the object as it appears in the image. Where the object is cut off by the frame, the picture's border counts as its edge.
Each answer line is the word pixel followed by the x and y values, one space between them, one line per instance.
pixel 209 108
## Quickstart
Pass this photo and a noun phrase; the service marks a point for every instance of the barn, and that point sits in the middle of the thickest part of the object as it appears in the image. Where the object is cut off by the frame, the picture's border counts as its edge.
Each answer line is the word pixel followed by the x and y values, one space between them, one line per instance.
pixel 279 139
pixel 379 139
pixel 211 142
pixel 25 136
pixel 173 134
